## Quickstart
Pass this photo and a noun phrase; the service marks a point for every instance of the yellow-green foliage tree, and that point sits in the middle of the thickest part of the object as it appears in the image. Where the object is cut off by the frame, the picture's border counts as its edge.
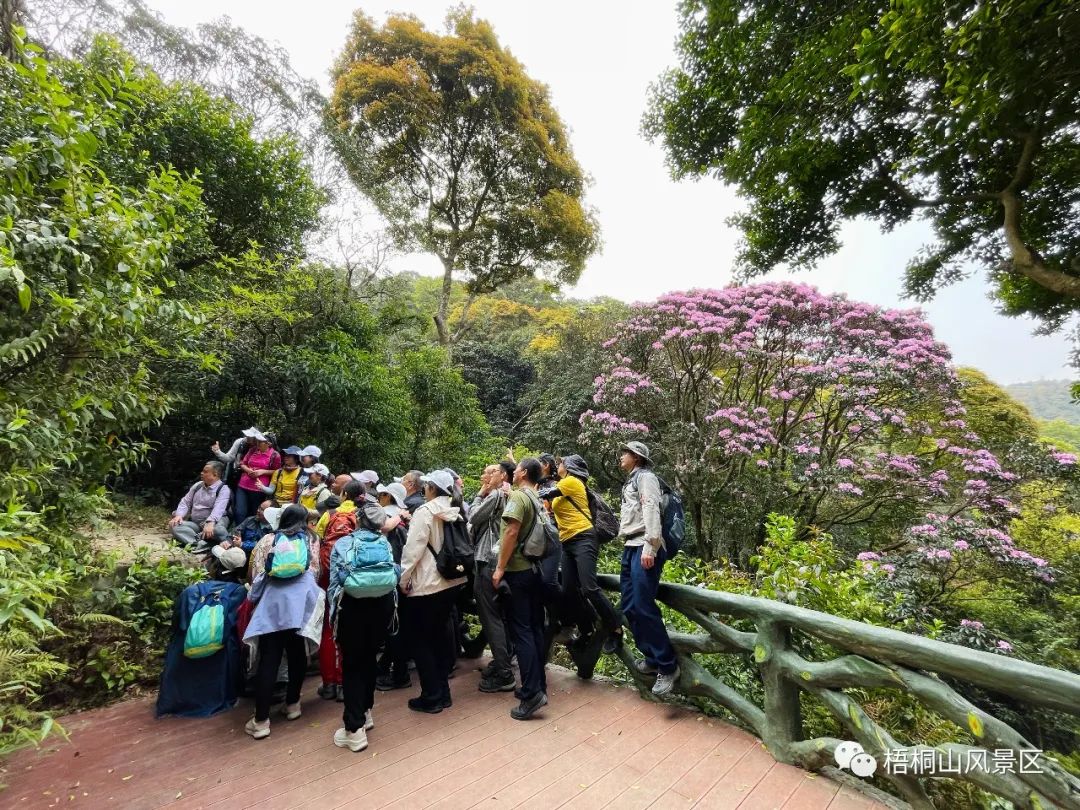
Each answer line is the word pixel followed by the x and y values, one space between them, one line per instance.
pixel 463 153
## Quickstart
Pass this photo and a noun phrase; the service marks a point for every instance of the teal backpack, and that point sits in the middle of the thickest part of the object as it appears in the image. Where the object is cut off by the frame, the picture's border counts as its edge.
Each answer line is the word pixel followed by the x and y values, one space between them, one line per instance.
pixel 370 566
pixel 206 630
pixel 289 556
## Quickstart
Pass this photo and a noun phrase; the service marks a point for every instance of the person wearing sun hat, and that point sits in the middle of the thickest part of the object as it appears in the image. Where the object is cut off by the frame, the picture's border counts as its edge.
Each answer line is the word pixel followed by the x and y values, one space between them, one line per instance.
pixel 314 495
pixel 309 457
pixel 642 563
pixel 581 549
pixel 284 484
pixel 429 597
pixel 235 452
pixel 256 467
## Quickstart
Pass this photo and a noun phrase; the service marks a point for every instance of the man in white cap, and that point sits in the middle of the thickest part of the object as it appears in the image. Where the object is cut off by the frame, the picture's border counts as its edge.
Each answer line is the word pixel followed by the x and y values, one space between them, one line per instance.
pixel 642 563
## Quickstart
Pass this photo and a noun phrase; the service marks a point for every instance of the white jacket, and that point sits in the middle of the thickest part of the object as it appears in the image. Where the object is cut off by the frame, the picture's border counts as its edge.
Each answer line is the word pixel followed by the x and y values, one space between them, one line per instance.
pixel 417 562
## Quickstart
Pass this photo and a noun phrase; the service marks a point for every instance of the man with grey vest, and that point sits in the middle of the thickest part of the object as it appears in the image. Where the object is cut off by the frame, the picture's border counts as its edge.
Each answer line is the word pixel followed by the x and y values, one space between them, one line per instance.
pixel 200 515
pixel 643 560
pixel 485 526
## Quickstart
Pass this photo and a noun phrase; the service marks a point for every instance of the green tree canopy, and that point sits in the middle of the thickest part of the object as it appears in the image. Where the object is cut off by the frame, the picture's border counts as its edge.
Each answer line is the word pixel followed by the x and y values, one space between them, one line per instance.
pixel 994 416
pixel 820 112
pixel 462 152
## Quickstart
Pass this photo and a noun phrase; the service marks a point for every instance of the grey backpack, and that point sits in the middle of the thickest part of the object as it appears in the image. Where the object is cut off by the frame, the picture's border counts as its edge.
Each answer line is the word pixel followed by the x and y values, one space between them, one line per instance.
pixel 542 538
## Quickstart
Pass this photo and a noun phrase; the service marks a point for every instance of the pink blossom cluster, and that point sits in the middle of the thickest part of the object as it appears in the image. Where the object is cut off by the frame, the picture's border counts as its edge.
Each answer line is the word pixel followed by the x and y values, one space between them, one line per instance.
pixel 834 396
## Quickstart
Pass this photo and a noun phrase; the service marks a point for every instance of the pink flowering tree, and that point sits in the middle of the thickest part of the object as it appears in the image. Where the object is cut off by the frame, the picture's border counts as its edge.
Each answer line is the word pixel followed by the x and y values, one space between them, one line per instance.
pixel 778 398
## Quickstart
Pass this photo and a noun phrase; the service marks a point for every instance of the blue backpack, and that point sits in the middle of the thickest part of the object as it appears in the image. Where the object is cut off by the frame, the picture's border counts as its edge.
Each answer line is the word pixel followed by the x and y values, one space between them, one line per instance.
pixel 672 518
pixel 369 566
pixel 288 557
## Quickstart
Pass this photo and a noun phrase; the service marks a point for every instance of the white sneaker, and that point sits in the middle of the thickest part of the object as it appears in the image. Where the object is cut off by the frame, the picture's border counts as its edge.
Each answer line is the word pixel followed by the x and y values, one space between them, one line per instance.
pixel 369 721
pixel 353 740
pixel 291 711
pixel 257 730
pixel 665 683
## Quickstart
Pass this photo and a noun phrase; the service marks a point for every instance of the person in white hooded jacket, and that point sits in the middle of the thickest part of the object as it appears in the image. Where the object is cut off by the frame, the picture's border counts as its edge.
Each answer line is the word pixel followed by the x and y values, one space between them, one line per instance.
pixel 429 597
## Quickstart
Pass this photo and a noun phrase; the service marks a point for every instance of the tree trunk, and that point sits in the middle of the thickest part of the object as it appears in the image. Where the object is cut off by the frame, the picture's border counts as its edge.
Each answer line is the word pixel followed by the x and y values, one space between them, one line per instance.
pixel 12 13
pixel 441 313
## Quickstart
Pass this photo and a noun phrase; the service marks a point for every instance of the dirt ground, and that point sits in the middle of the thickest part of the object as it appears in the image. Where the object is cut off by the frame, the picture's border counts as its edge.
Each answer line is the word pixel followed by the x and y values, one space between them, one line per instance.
pixel 135 527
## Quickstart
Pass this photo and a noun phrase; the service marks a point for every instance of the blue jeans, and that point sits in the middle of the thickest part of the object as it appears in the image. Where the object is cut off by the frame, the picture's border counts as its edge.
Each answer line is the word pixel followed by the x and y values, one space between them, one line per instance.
pixel 525 621
pixel 638 588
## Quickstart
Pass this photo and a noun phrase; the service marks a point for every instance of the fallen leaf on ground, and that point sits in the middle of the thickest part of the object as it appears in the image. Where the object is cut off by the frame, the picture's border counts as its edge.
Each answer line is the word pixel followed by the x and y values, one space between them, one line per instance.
pixel 125 778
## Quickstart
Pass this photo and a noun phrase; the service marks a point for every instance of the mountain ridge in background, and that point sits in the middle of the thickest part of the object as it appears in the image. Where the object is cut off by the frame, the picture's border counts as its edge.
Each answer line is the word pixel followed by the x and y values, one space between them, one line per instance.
pixel 1048 400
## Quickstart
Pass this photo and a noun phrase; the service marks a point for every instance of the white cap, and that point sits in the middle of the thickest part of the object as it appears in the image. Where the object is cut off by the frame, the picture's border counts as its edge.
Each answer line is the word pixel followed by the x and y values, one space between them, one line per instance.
pixel 311 450
pixel 231 558
pixel 395 491
pixel 321 469
pixel 272 515
pixel 441 479
pixel 254 433
pixel 366 477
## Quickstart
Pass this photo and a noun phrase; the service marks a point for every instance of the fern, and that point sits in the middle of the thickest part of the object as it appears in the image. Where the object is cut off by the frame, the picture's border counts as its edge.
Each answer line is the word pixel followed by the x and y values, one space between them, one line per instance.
pixel 98 618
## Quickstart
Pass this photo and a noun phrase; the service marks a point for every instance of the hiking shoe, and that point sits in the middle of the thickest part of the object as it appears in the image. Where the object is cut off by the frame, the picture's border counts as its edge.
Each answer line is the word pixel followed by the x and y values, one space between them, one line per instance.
pixel 353 740
pixel 418 704
pixel 644 667
pixel 497 682
pixel 328 691
pixel 257 730
pixel 339 694
pixel 612 643
pixel 387 683
pixel 291 711
pixel 369 721
pixel 665 683
pixel 527 708
pixel 446 701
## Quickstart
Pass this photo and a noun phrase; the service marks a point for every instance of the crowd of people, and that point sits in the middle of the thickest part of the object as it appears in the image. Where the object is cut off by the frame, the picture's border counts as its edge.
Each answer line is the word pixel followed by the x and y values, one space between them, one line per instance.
pixel 368 576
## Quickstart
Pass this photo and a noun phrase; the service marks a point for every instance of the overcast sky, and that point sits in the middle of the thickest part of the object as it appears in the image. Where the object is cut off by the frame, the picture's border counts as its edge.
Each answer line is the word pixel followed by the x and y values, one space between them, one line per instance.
pixel 598 58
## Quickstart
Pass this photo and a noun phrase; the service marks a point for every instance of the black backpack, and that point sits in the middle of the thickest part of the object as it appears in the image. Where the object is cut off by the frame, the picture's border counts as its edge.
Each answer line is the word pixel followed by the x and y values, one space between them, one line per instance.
pixel 456 557
pixel 605 523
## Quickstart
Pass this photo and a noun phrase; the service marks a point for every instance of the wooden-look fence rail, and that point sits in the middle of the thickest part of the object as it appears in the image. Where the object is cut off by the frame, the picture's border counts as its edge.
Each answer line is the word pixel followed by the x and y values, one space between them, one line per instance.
pixel 877 658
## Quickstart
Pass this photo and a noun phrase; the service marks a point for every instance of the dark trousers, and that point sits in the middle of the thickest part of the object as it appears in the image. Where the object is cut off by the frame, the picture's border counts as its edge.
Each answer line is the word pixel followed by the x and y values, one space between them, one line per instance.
pixel 394 662
pixel 638 587
pixel 245 504
pixel 580 553
pixel 271 647
pixel 428 624
pixel 525 621
pixel 362 627
pixel 491 619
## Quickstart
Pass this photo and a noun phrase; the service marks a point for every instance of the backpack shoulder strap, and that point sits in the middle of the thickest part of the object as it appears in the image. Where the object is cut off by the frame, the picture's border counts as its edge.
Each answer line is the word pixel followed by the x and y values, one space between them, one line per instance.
pixel 573 503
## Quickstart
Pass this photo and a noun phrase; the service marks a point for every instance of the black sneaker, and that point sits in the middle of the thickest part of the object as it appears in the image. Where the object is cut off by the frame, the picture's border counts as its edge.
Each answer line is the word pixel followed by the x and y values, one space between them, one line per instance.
pixel 528 708
pixel 612 643
pixel 497 682
pixel 328 691
pixel 447 701
pixel 386 683
pixel 418 704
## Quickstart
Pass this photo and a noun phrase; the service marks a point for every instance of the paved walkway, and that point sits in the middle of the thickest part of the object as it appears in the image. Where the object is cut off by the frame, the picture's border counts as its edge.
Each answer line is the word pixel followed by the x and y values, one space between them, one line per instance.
pixel 595 745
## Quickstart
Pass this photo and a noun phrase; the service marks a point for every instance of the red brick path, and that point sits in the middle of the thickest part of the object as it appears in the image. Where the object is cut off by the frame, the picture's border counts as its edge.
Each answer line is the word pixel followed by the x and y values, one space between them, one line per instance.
pixel 595 745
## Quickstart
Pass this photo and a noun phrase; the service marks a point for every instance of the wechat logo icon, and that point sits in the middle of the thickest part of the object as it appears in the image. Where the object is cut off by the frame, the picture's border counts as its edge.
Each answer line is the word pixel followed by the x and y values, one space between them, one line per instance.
pixel 850 755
